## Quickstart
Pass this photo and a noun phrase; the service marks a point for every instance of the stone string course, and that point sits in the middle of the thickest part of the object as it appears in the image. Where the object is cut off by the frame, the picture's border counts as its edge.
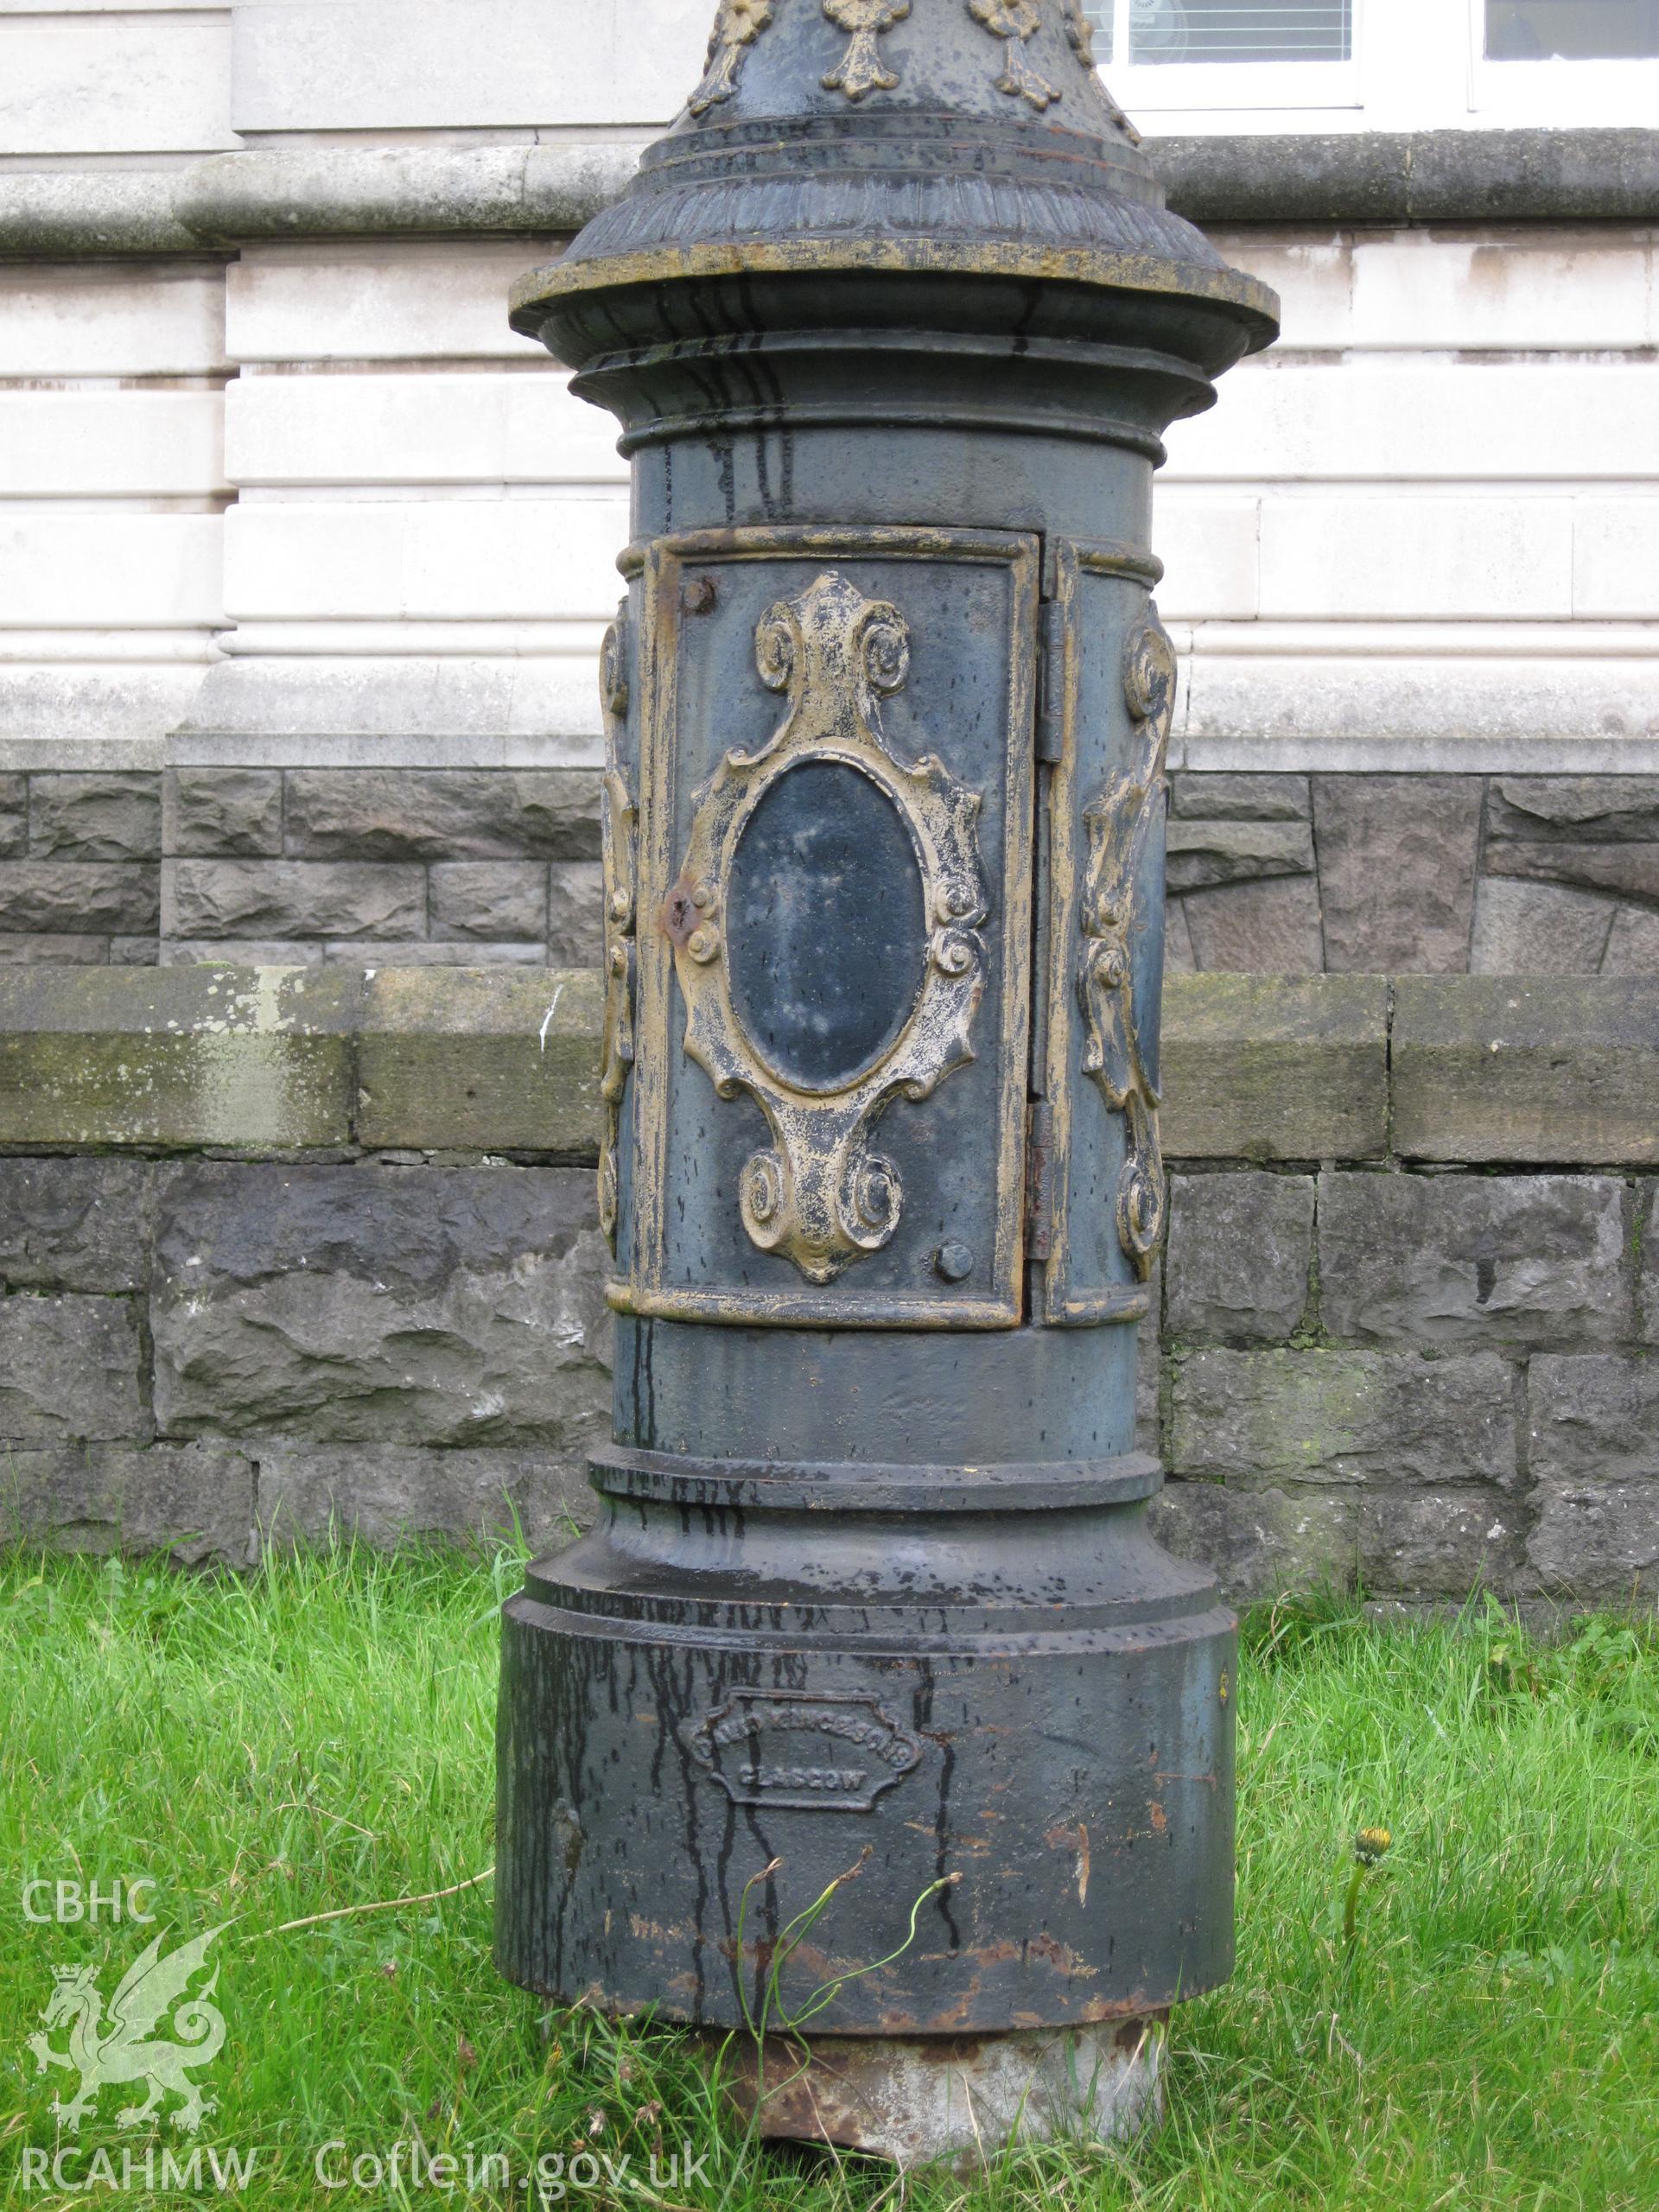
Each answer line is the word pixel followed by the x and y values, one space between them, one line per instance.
pixel 1433 176
pixel 283 1251
pixel 395 867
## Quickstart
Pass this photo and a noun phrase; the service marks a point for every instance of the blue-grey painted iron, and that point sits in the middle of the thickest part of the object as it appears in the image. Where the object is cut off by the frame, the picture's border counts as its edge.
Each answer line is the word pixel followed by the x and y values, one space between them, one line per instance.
pixel 893 321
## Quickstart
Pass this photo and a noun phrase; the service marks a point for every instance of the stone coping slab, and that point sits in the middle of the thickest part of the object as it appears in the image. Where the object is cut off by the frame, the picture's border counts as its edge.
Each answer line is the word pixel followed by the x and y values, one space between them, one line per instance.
pixel 302 1059
pixel 254 1058
pixel 465 1059
pixel 1306 1068
pixel 1482 175
pixel 1527 1071
pixel 1276 1067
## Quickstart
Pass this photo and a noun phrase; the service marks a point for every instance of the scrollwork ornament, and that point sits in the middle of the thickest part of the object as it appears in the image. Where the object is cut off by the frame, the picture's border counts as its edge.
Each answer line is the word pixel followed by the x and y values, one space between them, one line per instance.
pixel 872 1199
pixel 1081 34
pixel 777 648
pixel 619 826
pixel 861 69
pixel 763 1198
pixel 1015 22
pixel 737 26
pixel 817 1194
pixel 1149 676
pixel 1120 823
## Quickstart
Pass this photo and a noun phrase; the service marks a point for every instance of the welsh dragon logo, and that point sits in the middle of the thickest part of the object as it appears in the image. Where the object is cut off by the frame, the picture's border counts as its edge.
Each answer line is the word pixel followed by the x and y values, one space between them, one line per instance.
pixel 123 2048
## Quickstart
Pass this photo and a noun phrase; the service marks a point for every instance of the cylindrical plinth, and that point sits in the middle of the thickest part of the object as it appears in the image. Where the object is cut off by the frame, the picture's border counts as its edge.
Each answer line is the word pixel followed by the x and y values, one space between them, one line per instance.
pixel 977 1687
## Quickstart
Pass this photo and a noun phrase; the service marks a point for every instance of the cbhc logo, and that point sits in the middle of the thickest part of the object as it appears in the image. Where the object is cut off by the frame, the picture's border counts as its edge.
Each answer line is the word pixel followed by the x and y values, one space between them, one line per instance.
pixel 66 1902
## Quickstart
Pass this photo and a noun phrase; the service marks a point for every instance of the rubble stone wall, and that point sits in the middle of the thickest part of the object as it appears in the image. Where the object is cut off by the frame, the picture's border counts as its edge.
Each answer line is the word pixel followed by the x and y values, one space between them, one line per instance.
pixel 288 1250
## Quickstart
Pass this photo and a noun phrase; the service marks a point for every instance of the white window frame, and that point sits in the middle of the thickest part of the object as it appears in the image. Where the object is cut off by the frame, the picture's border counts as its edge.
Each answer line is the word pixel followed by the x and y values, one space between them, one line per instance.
pixel 1156 87
pixel 1559 93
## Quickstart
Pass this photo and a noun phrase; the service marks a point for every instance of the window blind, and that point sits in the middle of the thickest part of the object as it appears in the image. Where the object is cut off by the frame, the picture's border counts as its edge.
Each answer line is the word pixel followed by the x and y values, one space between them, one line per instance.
pixel 1572 30
pixel 1229 30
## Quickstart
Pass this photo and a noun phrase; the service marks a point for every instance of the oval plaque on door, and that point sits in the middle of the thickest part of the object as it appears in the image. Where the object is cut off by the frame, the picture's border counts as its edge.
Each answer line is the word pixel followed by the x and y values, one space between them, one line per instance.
pixel 826 927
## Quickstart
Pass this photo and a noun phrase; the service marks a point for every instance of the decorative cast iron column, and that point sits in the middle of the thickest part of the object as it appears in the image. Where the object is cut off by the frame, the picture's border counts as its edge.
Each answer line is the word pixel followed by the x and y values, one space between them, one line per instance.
pixel 893 321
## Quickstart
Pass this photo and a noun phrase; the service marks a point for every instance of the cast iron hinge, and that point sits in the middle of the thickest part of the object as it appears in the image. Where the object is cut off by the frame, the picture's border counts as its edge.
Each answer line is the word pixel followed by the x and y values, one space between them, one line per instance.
pixel 1039 1181
pixel 1051 685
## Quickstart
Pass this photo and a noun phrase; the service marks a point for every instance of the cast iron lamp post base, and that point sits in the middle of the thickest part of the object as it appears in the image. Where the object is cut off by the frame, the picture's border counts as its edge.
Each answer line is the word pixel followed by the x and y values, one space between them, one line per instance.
pixel 893 321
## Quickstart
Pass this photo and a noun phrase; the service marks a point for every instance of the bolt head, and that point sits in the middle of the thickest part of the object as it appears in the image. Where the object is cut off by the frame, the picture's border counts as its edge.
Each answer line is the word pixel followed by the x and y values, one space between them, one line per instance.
pixel 953 1262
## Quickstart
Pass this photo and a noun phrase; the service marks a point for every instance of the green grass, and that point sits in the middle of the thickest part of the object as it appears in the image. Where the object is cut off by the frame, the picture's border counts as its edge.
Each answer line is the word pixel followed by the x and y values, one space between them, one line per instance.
pixel 321 1737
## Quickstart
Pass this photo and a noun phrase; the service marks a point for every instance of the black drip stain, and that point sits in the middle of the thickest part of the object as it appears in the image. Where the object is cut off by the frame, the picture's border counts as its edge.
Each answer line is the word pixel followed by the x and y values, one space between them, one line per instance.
pixel 642 1392
pixel 924 1713
pixel 724 461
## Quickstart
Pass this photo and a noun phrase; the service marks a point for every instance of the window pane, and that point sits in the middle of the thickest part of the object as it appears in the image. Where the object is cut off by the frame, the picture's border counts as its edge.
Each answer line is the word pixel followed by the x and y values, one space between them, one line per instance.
pixel 1240 30
pixel 1572 30
pixel 1100 14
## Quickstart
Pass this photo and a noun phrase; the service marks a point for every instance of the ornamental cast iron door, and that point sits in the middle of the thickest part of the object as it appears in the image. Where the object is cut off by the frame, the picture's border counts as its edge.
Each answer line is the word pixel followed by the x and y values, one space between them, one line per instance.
pixel 834 841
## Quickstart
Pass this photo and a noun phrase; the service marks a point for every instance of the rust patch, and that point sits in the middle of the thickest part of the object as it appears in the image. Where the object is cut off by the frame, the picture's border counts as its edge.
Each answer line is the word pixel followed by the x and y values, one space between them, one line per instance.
pixel 955 2018
pixel 1044 1947
pixel 1157 1815
pixel 682 918
pixel 653 1931
pixel 820 1965
pixel 1133 2033
pixel 1075 1839
pixel 1133 2009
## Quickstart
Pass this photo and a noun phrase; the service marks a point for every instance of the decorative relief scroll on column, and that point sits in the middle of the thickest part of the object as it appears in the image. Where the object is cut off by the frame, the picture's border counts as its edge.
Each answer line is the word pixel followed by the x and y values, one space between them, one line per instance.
pixel 737 26
pixel 1015 22
pixel 617 819
pixel 1121 822
pixel 820 1026
pixel 861 69
pixel 1081 34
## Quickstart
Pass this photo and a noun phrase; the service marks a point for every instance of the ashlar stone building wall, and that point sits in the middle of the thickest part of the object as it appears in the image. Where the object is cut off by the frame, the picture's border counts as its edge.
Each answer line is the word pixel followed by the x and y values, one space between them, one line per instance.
pixel 305 557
